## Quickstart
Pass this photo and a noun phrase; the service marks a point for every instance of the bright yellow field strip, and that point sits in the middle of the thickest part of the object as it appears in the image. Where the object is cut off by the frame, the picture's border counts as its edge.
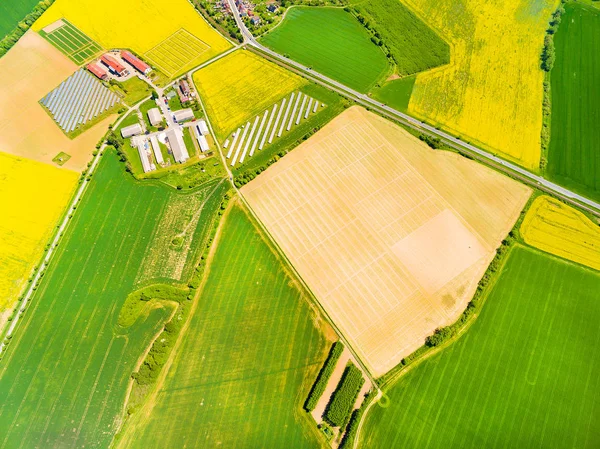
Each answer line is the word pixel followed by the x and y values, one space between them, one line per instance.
pixel 491 93
pixel 240 86
pixel 559 229
pixel 391 236
pixel 136 24
pixel 33 195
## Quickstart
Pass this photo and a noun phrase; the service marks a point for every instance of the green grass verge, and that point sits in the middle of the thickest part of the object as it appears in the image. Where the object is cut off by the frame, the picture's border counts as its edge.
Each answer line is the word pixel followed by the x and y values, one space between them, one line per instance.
pixel 574 153
pixel 395 93
pixel 132 90
pixel 523 375
pixel 332 42
pixel 412 45
pixel 61 158
pixel 246 360
pixel 326 371
pixel 64 378
pixel 343 398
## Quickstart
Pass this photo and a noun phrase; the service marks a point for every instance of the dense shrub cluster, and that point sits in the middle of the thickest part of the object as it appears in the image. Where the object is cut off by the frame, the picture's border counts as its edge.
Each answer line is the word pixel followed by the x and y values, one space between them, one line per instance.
pixel 433 142
pixel 352 427
pixel 343 398
pixel 548 54
pixel 323 377
pixel 136 301
pixel 11 38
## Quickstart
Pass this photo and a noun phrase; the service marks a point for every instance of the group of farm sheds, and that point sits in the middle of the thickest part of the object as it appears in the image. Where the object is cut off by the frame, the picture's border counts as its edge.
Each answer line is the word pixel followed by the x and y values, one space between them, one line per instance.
pixel 115 67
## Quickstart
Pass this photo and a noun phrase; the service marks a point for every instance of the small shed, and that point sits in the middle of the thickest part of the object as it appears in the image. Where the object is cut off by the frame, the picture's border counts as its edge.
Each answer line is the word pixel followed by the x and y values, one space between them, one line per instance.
pixel 203 127
pixel 183 115
pixel 131 130
pixel 155 117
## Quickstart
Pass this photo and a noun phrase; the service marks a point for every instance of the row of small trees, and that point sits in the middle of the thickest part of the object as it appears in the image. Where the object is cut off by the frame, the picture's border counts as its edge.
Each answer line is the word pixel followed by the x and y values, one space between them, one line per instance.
pixel 343 398
pixel 548 53
pixel 321 382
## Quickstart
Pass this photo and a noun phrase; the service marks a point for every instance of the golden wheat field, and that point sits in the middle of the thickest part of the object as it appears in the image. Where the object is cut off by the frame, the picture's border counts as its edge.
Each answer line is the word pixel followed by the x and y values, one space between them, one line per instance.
pixel 136 24
pixel 240 86
pixel 391 236
pixel 33 195
pixel 554 227
pixel 491 92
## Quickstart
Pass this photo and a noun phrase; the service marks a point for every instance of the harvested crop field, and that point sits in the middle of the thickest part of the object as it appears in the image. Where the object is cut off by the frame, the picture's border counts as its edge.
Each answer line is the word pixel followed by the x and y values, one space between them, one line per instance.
pixel 240 86
pixel 139 25
pixel 247 361
pixel 331 41
pixel 391 236
pixel 554 227
pixel 64 377
pixel 491 92
pixel 574 153
pixel 524 375
pixel 31 69
pixel 32 198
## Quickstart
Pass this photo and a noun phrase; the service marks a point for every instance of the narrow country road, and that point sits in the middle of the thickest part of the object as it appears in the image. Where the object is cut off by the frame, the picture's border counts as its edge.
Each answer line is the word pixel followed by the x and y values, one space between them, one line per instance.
pixel 484 156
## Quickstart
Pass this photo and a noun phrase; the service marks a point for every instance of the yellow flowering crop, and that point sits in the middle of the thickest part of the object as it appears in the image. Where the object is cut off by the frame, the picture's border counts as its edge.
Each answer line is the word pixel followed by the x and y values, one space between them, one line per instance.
pixel 32 198
pixel 559 229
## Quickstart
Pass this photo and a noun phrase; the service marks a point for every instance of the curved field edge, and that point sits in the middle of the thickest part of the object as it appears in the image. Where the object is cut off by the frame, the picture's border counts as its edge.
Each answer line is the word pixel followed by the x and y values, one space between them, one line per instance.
pixel 66 371
pixel 574 151
pixel 542 307
pixel 331 41
pixel 246 361
pixel 563 231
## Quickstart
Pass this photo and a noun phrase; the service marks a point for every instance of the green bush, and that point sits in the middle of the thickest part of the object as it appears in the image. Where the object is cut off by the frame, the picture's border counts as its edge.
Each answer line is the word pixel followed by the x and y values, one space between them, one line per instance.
pixel 323 377
pixel 135 302
pixel 352 427
pixel 343 398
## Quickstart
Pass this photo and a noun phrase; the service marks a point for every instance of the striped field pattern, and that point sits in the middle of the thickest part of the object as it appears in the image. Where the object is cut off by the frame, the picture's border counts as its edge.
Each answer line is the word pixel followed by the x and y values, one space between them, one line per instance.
pixel 72 42
pixel 64 378
pixel 525 375
pixel 179 51
pixel 270 125
pixel 78 99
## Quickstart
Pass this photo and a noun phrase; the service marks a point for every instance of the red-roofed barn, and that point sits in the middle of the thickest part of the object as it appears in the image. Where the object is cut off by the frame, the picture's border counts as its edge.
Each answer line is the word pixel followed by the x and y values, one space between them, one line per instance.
pixel 136 62
pixel 114 65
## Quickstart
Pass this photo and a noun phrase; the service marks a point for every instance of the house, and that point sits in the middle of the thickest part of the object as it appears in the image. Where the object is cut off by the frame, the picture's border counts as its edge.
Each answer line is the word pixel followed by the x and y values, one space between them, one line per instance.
pixel 155 117
pixel 131 130
pixel 183 115
pixel 136 62
pixel 272 7
pixel 175 138
pixel 255 20
pixel 202 127
pixel 170 94
pixel 114 66
pixel 185 88
pixel 95 69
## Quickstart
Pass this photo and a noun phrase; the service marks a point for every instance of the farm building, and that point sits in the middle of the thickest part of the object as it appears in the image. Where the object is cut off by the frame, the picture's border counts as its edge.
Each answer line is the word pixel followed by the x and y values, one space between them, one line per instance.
pixel 147 164
pixel 175 138
pixel 202 127
pixel 114 66
pixel 136 62
pixel 131 130
pixel 156 149
pixel 201 139
pixel 95 69
pixel 155 117
pixel 183 115
pixel 184 91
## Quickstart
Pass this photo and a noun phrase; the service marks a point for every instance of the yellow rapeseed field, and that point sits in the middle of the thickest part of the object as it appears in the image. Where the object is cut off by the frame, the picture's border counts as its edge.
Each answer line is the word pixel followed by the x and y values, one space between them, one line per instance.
pixel 491 92
pixel 33 195
pixel 241 85
pixel 559 229
pixel 136 24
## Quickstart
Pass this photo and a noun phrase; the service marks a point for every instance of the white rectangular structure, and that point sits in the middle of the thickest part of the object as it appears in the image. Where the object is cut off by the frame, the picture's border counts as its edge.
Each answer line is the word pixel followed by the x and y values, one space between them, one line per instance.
pixel 183 115
pixel 131 130
pixel 175 138
pixel 155 117
pixel 156 149
pixel 203 143
pixel 235 139
pixel 287 110
pixel 203 127
pixel 145 157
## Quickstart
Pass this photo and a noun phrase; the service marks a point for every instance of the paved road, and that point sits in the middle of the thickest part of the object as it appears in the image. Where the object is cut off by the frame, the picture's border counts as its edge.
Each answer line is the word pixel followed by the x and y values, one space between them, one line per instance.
pixel 512 169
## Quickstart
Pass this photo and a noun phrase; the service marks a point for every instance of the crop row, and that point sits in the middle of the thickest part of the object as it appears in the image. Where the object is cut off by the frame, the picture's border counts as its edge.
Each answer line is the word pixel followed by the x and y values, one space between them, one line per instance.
pixel 321 382
pixel 343 398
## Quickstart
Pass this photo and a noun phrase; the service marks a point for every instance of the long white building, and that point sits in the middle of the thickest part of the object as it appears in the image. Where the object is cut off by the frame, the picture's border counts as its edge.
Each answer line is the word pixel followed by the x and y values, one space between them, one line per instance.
pixel 175 138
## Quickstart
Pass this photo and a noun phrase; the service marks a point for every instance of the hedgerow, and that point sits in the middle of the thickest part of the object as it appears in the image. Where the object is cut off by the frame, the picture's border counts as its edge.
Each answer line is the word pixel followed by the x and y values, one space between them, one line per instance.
pixel 343 398
pixel 352 427
pixel 136 301
pixel 323 377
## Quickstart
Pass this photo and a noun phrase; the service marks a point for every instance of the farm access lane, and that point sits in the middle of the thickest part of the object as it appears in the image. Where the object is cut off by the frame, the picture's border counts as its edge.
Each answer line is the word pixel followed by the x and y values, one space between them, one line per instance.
pixel 509 168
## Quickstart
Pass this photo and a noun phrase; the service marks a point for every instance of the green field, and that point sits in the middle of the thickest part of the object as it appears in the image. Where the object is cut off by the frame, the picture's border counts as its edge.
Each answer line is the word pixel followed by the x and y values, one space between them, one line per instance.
pixel 64 378
pixel 396 93
pixel 134 90
pixel 414 46
pixel 12 12
pixel 72 42
pixel 332 42
pixel 574 153
pixel 247 361
pixel 525 375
